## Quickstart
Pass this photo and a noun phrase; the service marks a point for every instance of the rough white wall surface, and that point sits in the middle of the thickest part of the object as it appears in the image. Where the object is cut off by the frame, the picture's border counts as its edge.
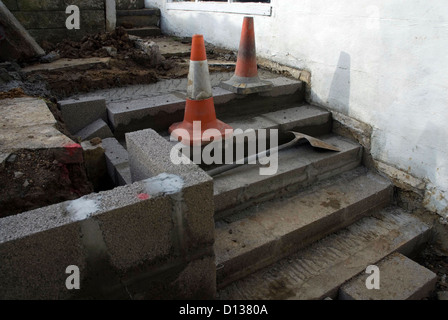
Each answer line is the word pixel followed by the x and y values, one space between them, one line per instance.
pixel 383 62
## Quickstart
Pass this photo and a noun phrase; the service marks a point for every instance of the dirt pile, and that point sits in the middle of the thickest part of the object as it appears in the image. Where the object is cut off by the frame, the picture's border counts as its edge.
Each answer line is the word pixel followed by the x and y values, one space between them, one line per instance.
pixel 116 43
pixel 34 179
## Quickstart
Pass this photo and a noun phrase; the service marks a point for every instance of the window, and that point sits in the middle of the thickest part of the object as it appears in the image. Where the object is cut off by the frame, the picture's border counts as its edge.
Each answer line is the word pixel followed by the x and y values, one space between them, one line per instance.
pixel 252 7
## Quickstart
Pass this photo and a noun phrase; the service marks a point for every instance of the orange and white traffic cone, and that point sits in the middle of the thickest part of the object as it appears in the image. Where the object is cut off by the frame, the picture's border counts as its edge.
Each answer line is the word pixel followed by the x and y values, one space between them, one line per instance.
pixel 245 79
pixel 200 112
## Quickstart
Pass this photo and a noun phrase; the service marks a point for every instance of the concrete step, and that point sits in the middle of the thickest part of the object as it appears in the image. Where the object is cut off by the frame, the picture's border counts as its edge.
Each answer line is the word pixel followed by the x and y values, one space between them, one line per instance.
pixel 160 111
pixel 138 18
pixel 130 4
pixel 319 270
pixel 298 167
pixel 400 278
pixel 263 234
pixel 145 32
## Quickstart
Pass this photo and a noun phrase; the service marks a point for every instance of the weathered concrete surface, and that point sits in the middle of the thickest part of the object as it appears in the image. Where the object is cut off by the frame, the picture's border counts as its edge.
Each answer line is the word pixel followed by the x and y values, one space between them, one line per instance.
pixel 140 233
pixel 298 167
pixel 117 160
pixel 400 279
pixel 34 267
pixel 169 48
pixel 149 156
pixel 78 114
pixel 27 123
pixel 318 271
pixel 63 64
pixel 98 128
pixel 301 117
pixel 18 43
pixel 261 235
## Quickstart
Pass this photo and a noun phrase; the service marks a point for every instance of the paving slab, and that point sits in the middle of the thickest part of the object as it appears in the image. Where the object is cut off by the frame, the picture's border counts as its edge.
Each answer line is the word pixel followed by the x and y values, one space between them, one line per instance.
pixel 62 64
pixel 319 270
pixel 263 234
pixel 400 278
pixel 27 123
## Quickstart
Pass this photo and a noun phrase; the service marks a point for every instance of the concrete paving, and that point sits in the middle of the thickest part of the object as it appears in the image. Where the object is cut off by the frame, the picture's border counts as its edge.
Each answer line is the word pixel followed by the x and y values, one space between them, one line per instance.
pixel 263 234
pixel 63 64
pixel 27 123
pixel 400 278
pixel 319 270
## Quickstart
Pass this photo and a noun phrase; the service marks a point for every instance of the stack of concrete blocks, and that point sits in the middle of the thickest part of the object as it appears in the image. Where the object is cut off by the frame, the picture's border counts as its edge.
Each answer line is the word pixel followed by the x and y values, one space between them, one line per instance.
pixel 152 239
pixel 45 19
pixel 86 118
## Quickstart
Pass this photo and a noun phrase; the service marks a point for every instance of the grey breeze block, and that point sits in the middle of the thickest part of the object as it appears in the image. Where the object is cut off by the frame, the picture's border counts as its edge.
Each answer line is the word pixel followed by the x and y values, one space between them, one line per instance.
pixel 79 113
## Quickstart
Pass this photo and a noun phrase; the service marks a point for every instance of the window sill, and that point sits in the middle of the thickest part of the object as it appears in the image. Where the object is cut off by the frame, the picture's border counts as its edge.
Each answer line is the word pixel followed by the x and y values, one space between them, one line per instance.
pixel 238 8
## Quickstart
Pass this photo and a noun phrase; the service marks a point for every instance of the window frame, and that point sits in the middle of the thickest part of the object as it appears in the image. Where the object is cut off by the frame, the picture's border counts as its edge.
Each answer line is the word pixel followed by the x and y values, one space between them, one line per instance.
pixel 260 9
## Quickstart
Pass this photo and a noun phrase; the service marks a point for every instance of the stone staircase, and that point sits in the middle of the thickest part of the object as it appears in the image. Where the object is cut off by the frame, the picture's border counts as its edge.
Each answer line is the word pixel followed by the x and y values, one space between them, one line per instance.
pixel 138 20
pixel 304 231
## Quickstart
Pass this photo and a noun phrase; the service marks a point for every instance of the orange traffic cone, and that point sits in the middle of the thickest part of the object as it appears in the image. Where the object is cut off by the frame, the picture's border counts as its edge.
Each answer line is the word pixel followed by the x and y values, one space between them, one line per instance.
pixel 245 79
pixel 200 112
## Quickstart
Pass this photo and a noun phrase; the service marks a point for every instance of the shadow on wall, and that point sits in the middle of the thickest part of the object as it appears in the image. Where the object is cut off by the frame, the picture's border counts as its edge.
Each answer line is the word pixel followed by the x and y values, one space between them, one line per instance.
pixel 339 90
pixel 339 93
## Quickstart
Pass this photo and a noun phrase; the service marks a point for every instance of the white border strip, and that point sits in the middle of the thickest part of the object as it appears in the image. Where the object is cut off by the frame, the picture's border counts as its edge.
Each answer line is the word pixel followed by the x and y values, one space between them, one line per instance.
pixel 241 8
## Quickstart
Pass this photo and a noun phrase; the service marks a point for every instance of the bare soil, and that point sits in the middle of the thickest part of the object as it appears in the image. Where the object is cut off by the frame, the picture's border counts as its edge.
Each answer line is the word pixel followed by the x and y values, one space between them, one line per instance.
pixel 34 179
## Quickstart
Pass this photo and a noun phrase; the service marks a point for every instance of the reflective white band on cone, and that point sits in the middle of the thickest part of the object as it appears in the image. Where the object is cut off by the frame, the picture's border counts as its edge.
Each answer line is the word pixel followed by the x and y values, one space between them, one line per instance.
pixel 199 86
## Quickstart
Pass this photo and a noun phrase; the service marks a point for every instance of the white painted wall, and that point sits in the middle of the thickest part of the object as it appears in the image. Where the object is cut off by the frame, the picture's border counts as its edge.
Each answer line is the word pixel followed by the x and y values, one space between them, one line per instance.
pixel 383 62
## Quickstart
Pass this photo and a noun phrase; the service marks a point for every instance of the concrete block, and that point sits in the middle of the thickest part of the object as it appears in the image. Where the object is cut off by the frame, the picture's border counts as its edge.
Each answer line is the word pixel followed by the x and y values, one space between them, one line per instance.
pixel 131 230
pixel 400 279
pixel 138 114
pixel 139 233
pixel 149 156
pixel 117 161
pixel 33 266
pixel 98 128
pixel 78 114
pixel 283 86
